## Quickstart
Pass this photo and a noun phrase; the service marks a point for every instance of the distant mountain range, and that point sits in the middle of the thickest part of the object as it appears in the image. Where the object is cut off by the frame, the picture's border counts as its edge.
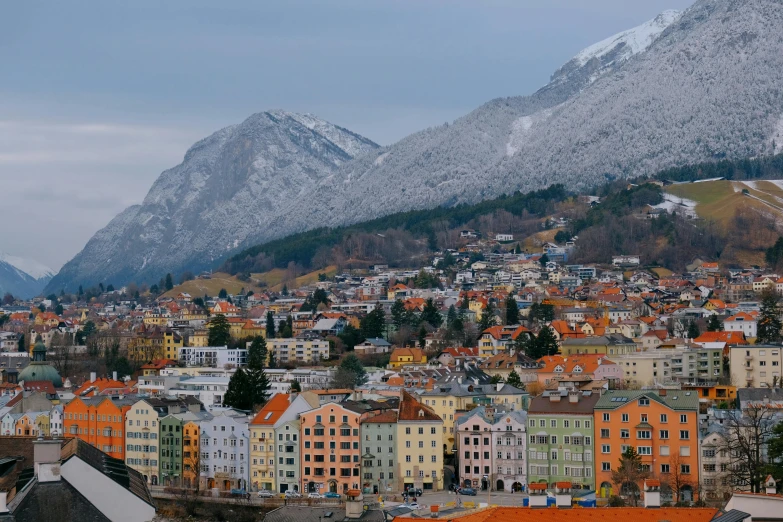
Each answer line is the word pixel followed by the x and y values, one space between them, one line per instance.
pixel 682 88
pixel 22 277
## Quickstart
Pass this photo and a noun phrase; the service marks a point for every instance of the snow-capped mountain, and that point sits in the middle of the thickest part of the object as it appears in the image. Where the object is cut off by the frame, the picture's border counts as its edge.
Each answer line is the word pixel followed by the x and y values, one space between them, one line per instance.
pixel 22 277
pixel 218 199
pixel 683 88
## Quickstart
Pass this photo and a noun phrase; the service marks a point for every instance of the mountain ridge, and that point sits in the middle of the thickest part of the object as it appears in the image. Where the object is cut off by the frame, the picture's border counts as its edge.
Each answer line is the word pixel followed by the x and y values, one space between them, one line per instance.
pixel 631 109
pixel 22 277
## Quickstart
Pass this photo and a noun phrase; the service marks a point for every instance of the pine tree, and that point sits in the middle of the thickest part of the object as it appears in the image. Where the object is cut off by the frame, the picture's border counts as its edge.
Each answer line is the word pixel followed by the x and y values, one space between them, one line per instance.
pixel 270 325
pixel 398 314
pixel 373 324
pixel 545 344
pixel 768 329
pixel 256 361
pixel 430 314
pixel 422 338
pixel 512 310
pixel 714 324
pixel 240 393
pixel 496 379
pixel 514 380
pixel 169 282
pixel 219 331
pixel 693 330
pixel 353 365
pixel 222 294
pixel 451 316
pixel 488 319
pixel 465 304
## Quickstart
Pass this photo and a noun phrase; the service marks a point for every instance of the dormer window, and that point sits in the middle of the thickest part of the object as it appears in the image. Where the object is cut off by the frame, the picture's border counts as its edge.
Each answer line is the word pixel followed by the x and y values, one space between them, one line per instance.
pixel 558 369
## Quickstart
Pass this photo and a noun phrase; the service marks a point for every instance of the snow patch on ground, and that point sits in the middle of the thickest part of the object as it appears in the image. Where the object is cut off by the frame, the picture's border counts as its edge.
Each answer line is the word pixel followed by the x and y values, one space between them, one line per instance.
pixel 751 184
pixel 521 128
pixel 636 40
pixel 777 182
pixel 379 160
pixel 672 203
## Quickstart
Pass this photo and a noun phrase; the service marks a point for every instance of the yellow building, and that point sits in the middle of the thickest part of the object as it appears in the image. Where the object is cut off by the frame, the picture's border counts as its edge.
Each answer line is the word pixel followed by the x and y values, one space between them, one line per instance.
pixel 420 458
pixel 262 443
pixel 172 342
pixel 199 339
pixel 404 356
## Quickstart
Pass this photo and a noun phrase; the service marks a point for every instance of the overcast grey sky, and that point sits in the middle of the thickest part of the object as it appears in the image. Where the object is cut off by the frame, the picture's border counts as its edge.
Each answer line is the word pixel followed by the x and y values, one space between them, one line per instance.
pixel 97 98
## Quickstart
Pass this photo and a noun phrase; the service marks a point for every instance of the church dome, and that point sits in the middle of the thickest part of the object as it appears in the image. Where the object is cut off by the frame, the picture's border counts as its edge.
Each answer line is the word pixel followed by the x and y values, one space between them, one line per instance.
pixel 39 370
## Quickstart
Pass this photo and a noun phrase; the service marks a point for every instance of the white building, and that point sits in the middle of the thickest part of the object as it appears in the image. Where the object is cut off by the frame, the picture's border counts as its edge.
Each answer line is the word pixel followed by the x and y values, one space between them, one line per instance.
pixel 504 237
pixel 298 349
pixel 214 356
pixel 741 322
pixel 225 443
pixel 208 390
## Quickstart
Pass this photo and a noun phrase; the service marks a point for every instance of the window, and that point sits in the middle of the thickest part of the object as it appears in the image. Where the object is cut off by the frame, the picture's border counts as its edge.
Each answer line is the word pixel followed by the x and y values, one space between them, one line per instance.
pixel 664 434
pixel 604 433
pixel 685 435
pixel 606 417
pixel 606 466
pixel 644 401
pixel 644 450
pixel 605 448
pixel 685 469
pixel 643 434
pixel 566 423
pixel 625 417
pixel 553 423
pixel 665 468
pixel 683 418
pixel 625 434
pixel 663 451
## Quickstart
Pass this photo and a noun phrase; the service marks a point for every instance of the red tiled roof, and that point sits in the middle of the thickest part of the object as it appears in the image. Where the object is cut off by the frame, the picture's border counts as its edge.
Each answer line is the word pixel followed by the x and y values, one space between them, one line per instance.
pixel 272 410
pixel 413 410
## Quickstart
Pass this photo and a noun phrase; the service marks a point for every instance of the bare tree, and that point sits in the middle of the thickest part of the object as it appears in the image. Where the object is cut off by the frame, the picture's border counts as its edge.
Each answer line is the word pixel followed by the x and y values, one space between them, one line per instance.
pixel 747 433
pixel 677 479
pixel 61 353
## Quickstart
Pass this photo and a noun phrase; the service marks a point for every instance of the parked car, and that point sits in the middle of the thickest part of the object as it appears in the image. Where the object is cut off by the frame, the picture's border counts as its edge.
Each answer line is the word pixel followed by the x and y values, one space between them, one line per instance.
pixel 467 491
pixel 241 493
pixel 292 494
pixel 265 493
pixel 331 494
pixel 412 505
pixel 314 495
pixel 414 492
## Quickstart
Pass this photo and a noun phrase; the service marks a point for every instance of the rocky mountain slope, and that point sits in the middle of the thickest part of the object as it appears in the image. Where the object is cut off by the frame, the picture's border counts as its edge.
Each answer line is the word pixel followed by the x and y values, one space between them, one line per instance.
pixel 682 88
pixel 220 197
pixel 22 277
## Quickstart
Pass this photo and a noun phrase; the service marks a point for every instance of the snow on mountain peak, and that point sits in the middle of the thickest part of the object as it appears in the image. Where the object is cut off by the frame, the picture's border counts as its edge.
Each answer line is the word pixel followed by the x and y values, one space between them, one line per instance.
pixel 32 268
pixel 635 40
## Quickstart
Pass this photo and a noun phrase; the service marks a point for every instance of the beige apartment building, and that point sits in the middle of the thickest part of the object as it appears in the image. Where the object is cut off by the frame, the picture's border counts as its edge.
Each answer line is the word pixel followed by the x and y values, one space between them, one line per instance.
pixel 298 349
pixel 755 366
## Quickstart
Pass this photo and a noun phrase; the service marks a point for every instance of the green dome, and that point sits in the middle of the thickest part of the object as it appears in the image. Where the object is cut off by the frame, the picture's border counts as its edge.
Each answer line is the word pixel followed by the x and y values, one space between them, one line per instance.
pixel 37 371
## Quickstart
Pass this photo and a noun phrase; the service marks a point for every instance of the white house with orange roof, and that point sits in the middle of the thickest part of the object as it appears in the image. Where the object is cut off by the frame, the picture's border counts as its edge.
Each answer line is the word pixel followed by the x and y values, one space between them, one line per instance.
pixel 598 367
pixel 741 322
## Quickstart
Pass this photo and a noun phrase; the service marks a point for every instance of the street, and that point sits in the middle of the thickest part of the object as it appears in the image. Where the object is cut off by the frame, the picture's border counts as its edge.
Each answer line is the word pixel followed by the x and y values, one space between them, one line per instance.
pixel 442 498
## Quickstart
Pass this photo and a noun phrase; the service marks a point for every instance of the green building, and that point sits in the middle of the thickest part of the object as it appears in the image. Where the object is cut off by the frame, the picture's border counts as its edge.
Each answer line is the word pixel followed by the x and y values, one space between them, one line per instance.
pixel 171 450
pixel 561 441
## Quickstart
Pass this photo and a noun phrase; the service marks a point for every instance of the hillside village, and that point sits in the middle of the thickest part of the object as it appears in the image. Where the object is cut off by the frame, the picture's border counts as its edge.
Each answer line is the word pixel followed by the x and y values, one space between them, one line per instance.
pixel 484 371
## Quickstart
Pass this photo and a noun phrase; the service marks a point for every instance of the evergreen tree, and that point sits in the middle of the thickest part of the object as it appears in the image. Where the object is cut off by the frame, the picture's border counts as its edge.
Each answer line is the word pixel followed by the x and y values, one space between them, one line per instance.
pixel 693 330
pixel 270 325
pixel 285 290
pixel 514 380
pixel 768 329
pixel 219 331
pixel 496 379
pixel 512 310
pixel 714 324
pixel 256 361
pixel 81 291
pixel 295 386
pixel 154 290
pixel 350 336
pixel 544 260
pixel 222 294
pixel 488 319
pixel 430 314
pixel 451 317
pixel 240 393
pixel 351 373
pixel 169 282
pixel 545 344
pixel 373 324
pixel 523 343
pixel 422 338
pixel 398 314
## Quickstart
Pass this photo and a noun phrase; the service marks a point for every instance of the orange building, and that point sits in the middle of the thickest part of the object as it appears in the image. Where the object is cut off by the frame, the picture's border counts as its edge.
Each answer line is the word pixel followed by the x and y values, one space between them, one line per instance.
pixel 663 429
pixel 191 457
pixel 99 421
pixel 330 449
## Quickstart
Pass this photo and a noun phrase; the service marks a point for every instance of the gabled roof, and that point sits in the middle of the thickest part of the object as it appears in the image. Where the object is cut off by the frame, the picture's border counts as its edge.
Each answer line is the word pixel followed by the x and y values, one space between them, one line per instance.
pixel 413 410
pixel 674 399
pixel 272 411
pixel 722 337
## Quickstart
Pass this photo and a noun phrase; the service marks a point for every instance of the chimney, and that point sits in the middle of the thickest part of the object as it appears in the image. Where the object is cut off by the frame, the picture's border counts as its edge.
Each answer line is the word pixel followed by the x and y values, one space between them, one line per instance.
pixel 662 392
pixel 538 497
pixel 46 459
pixel 563 494
pixel 114 375
pixel 499 386
pixel 554 397
pixel 459 379
pixel 573 398
pixel 652 493
pixel 92 376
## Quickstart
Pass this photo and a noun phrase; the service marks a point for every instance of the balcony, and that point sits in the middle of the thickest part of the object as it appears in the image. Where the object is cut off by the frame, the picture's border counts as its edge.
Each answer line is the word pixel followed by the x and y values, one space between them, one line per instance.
pixel 748 357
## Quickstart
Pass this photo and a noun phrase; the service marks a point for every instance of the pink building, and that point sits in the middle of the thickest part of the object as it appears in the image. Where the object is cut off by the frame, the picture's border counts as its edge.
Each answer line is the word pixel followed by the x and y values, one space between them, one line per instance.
pixel 330 449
